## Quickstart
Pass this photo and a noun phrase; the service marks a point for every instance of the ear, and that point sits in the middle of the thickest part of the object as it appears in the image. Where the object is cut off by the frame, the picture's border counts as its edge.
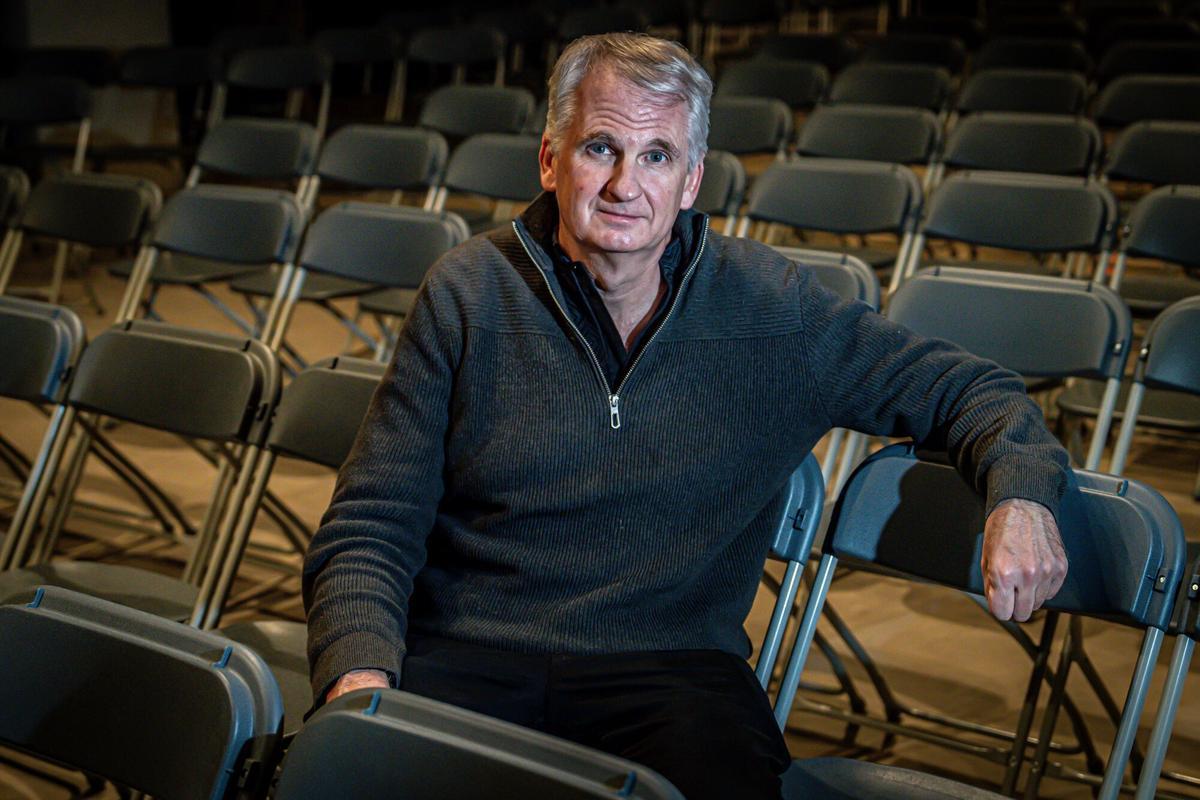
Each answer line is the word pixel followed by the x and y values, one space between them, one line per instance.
pixel 691 185
pixel 546 159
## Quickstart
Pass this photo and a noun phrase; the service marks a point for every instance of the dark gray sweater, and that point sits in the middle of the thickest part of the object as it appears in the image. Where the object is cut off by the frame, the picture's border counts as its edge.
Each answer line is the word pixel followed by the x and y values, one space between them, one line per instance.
pixel 502 494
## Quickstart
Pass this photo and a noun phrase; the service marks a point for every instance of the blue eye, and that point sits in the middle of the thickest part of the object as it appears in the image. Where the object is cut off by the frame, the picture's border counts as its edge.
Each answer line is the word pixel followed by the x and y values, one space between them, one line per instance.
pixel 599 148
pixel 657 157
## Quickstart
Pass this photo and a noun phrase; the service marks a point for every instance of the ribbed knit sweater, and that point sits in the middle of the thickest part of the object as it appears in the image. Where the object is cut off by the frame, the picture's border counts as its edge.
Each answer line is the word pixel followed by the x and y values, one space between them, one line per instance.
pixel 501 493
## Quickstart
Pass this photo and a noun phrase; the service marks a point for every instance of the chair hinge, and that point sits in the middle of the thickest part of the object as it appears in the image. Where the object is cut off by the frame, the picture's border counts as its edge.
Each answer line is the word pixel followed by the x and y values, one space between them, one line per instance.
pixel 1160 582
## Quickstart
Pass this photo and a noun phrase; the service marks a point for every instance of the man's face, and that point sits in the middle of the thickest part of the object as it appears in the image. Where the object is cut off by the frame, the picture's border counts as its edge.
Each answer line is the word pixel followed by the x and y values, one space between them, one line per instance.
pixel 621 173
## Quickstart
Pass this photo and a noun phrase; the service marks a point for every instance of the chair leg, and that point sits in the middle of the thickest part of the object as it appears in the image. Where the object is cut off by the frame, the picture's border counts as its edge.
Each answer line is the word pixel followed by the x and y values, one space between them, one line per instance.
pixel 1029 707
pixel 1058 689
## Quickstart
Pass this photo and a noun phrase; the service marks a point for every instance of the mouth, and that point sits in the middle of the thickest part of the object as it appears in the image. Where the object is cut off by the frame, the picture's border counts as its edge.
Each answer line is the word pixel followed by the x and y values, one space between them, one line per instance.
pixel 617 216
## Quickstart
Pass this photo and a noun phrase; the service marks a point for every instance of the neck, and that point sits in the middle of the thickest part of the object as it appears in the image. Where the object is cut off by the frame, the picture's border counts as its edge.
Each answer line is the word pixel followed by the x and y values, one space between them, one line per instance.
pixel 630 284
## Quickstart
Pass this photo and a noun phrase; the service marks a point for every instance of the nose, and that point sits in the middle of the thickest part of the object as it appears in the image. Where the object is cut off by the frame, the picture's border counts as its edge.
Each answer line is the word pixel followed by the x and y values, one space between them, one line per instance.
pixel 623 183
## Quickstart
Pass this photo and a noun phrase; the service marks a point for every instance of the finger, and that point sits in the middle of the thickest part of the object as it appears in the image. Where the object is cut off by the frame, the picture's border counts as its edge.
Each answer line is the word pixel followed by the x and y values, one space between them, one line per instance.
pixel 1000 600
pixel 1022 603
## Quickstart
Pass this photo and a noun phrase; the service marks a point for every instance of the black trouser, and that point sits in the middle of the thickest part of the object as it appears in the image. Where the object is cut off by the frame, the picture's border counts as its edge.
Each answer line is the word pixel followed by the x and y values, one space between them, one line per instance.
pixel 697 717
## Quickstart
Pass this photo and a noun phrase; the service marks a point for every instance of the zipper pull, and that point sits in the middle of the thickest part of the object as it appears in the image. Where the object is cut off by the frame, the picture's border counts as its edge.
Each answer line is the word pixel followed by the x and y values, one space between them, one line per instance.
pixel 614 411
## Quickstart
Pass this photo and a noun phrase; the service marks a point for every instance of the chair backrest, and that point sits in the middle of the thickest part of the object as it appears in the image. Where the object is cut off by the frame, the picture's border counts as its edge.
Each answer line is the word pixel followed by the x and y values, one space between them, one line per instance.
pixel 938 50
pixel 744 125
pixel 268 149
pixel 1163 225
pixel 456 45
pixel 1133 98
pixel 1035 325
pixel 1140 57
pixel 829 50
pixel 384 157
pixel 151 704
pixel 40 346
pixel 238 224
pixel 1050 144
pixel 1019 52
pixel 196 383
pixel 589 20
pixel 92 209
pixel 279 68
pixel 872 133
pixel 1123 540
pixel 1039 25
pixel 439 750
pixel 943 22
pixel 1156 152
pixel 1037 91
pixel 799 84
pixel 916 85
pixel 386 245
pixel 359 45
pixel 1171 349
pixel 837 195
pixel 33 100
pixel 93 65
pixel 167 67
pixel 723 185
pixel 321 410
pixel 14 191
pixel 849 277
pixel 503 166
pixel 462 111
pixel 1018 211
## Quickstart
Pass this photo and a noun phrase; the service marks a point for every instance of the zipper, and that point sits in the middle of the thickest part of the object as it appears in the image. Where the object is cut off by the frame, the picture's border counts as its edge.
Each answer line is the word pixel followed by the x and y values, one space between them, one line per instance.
pixel 614 396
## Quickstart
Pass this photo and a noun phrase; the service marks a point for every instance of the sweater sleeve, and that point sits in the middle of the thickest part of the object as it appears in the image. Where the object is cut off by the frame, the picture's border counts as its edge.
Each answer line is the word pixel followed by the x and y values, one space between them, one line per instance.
pixel 882 379
pixel 358 572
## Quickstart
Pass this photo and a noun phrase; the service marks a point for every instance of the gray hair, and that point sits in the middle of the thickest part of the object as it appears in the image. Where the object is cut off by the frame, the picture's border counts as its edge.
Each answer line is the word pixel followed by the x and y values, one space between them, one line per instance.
pixel 656 65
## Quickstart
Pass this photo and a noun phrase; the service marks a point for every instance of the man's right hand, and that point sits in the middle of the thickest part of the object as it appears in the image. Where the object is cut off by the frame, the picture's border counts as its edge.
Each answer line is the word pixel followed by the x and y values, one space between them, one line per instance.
pixel 358 679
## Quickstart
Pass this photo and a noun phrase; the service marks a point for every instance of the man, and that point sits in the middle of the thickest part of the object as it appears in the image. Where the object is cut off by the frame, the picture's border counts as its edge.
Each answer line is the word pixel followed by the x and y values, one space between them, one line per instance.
pixel 562 496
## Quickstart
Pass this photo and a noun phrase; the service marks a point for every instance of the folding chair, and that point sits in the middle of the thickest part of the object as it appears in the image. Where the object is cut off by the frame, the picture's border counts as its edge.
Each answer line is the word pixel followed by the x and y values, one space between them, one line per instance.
pixel 937 50
pixel 1036 91
pixel 152 705
pixel 40 346
pixel 501 168
pixel 1016 52
pixel 1048 144
pixel 715 17
pixel 1039 25
pixel 365 48
pixel 292 70
pixel 1160 227
pixel 1161 29
pixel 205 386
pixel 840 197
pixel 34 101
pixel 1159 153
pixel 921 521
pixel 915 85
pixel 1140 57
pixel 438 750
pixel 722 188
pixel 1038 215
pixel 525 28
pixel 831 51
pixel 750 126
pixel 589 20
pixel 93 65
pixel 799 84
pixel 461 111
pixel 81 209
pixel 1134 98
pixel 185 72
pixel 910 136
pixel 459 47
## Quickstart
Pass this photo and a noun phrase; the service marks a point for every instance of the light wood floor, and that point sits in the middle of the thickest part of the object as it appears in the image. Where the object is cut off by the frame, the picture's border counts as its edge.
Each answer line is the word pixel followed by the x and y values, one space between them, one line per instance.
pixel 936 648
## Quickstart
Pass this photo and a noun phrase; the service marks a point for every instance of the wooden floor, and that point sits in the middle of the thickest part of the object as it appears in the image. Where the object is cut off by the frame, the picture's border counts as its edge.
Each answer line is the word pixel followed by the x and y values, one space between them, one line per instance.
pixel 937 649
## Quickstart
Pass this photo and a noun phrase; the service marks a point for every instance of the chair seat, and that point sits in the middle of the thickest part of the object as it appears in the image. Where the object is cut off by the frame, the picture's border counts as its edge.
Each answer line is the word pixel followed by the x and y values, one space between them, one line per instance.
pixel 1023 268
pixel 187 271
pixel 847 779
pixel 142 589
pixel 391 302
pixel 317 287
pixel 876 259
pixel 1147 295
pixel 283 645
pixel 1160 409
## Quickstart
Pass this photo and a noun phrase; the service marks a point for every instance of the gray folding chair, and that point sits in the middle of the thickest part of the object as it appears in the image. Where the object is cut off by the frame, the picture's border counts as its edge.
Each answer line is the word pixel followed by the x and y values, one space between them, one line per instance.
pixel 288 69
pixel 922 522
pixel 722 188
pixel 1134 98
pixel 831 51
pixel 1035 91
pixel 749 125
pixel 595 19
pixel 365 48
pixel 799 84
pixel 499 168
pixel 841 197
pixel 1155 152
pixel 31 101
pixel 182 72
pixel 1038 215
pixel 459 47
pixel 461 111
pixel 1049 144
pixel 942 21
pixel 152 705
pixel 1019 52
pixel 40 346
pixel 938 50
pixel 909 136
pixel 914 85
pixel 1161 226
pixel 206 386
pixel 439 750
pixel 1137 57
